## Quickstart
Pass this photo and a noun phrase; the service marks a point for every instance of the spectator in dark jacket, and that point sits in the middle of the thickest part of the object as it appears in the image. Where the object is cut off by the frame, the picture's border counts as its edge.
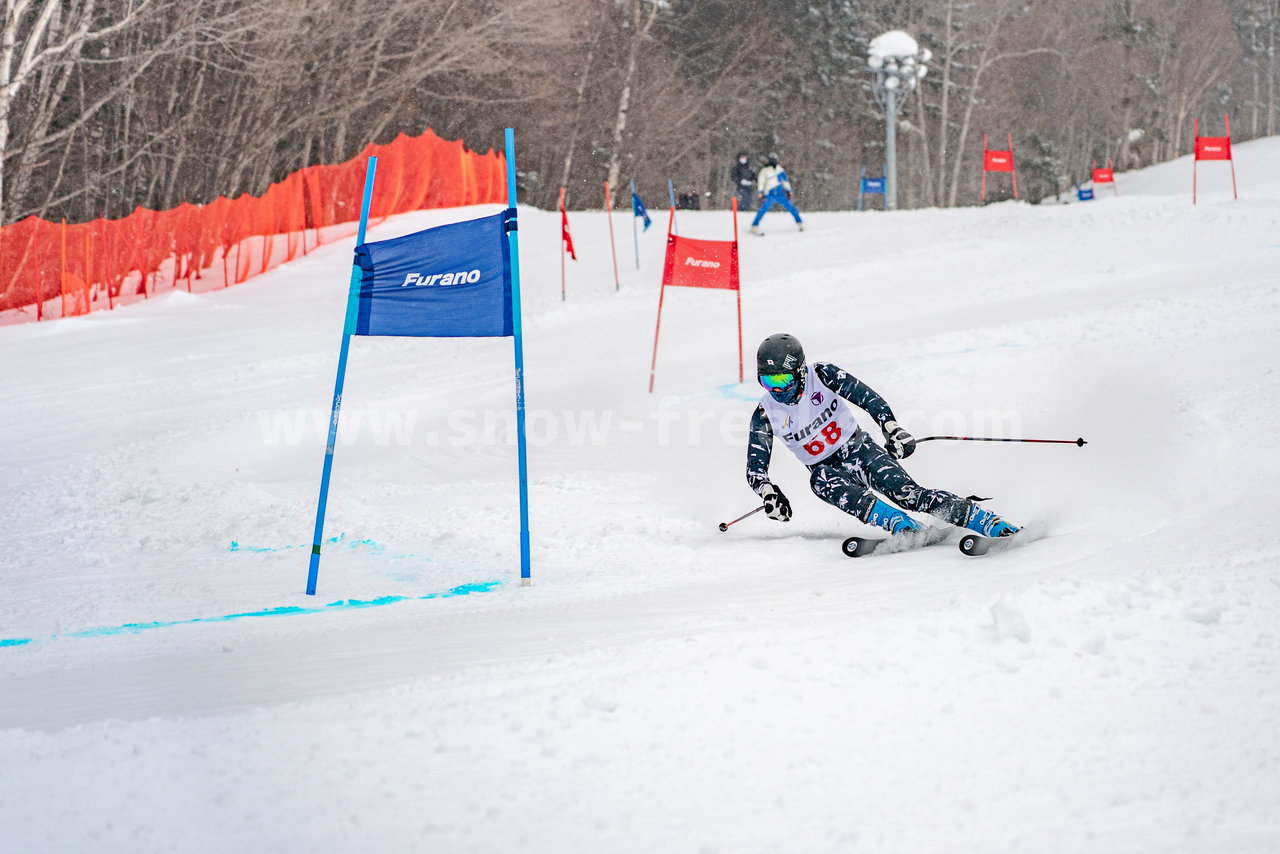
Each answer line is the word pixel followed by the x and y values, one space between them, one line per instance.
pixel 744 182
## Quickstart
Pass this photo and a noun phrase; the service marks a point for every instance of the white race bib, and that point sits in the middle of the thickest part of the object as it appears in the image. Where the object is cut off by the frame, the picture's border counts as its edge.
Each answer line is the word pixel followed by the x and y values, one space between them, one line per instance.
pixel 814 426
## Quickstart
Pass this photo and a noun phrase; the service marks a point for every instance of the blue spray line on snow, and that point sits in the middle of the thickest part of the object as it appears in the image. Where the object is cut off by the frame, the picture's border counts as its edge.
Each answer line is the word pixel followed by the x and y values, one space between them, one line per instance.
pixel 282 611
pixel 237 546
pixel 374 547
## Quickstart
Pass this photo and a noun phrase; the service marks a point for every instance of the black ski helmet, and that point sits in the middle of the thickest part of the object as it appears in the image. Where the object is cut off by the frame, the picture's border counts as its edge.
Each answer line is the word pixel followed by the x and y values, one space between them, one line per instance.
pixel 778 354
pixel 781 354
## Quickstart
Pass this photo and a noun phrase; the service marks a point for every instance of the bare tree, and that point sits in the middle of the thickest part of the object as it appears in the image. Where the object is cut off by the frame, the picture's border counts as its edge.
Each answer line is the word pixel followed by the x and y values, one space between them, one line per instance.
pixel 640 26
pixel 38 35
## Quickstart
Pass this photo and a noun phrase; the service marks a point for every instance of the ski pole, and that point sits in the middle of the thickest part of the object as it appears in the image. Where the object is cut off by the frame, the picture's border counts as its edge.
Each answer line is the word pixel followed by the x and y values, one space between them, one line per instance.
pixel 1078 442
pixel 724 526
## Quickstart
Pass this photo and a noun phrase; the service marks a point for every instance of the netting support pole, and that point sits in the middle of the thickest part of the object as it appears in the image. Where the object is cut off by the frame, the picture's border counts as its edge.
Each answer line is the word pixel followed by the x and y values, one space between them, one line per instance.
pixel 62 269
pixel 88 270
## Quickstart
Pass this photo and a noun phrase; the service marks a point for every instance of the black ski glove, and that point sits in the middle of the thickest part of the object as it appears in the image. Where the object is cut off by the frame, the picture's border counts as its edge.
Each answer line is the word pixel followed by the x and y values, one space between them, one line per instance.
pixel 776 505
pixel 898 442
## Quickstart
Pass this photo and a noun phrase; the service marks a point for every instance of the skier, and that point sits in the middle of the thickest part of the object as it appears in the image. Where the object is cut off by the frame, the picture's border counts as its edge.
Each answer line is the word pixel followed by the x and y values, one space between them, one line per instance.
pixel 805 405
pixel 774 189
pixel 744 182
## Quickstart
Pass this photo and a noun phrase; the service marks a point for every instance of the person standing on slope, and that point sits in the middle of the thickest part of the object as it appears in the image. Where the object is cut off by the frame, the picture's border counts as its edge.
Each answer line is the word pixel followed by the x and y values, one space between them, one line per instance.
pixel 775 189
pixel 744 182
pixel 805 404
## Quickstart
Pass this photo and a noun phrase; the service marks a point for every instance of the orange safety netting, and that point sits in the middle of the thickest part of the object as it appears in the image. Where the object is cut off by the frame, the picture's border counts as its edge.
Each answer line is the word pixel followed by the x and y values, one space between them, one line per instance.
pixel 61 270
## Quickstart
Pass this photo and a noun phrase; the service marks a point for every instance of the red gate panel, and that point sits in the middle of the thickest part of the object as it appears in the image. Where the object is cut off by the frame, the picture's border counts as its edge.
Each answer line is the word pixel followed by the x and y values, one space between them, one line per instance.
pixel 1212 148
pixel 694 263
pixel 998 161
pixel 691 263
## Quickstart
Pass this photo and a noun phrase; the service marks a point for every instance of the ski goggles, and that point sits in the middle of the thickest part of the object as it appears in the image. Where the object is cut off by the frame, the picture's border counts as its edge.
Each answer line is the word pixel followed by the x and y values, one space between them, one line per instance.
pixel 778 382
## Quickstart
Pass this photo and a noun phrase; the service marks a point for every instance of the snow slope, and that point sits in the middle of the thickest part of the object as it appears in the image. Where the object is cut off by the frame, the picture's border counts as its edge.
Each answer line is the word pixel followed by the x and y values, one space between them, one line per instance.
pixel 1113 686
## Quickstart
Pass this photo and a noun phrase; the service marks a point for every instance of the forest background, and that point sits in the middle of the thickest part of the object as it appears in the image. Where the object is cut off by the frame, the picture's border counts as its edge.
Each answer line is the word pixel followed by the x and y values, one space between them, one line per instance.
pixel 106 105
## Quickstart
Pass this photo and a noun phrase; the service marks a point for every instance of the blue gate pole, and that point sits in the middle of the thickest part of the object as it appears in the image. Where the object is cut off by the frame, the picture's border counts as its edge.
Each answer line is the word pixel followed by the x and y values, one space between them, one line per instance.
pixel 348 329
pixel 517 328
pixel 862 182
pixel 671 194
pixel 635 235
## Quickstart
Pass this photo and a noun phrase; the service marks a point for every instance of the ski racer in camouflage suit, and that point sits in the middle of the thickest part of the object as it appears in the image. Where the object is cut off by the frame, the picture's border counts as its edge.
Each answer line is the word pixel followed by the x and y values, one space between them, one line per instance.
pixel 804 405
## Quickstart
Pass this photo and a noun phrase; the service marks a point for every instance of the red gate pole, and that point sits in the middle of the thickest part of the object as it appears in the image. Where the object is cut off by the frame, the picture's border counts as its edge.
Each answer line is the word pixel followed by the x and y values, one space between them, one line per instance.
pixel 613 247
pixel 1232 159
pixel 1013 167
pixel 1195 156
pixel 984 167
pixel 733 204
pixel 662 292
pixel 653 364
pixel 562 215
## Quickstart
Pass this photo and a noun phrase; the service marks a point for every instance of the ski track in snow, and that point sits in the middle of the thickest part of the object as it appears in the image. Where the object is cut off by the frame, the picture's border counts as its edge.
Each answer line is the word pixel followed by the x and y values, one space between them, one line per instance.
pixel 1111 686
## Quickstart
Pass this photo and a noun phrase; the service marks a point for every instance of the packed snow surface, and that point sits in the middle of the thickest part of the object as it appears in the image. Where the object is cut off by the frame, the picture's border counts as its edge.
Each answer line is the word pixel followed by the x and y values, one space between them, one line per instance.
pixel 1113 685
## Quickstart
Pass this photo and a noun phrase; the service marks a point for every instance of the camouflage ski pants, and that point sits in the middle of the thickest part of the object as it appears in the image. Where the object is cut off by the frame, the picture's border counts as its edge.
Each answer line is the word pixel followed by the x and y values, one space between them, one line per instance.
pixel 847 478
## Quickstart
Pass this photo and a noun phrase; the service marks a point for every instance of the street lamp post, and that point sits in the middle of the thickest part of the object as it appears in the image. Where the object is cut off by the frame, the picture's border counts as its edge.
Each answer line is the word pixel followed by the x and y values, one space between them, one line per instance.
pixel 898 64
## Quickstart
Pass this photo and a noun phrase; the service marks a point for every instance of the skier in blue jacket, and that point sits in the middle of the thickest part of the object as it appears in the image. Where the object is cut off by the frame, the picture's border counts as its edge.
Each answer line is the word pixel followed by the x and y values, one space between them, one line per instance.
pixel 775 189
pixel 805 405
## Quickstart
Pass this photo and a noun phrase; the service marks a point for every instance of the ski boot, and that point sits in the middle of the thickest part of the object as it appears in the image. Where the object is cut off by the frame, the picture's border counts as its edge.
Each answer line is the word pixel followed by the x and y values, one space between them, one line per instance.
pixel 755 229
pixel 890 519
pixel 988 524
